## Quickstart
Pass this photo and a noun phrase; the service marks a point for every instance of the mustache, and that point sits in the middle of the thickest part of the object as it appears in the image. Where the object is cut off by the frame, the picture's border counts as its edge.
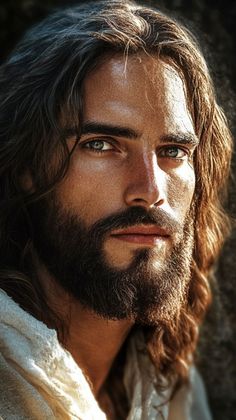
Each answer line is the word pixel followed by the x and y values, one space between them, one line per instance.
pixel 135 216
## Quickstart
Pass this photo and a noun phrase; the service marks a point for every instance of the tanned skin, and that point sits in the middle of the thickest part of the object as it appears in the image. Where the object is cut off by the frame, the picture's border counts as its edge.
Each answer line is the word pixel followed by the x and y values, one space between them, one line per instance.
pixel 109 173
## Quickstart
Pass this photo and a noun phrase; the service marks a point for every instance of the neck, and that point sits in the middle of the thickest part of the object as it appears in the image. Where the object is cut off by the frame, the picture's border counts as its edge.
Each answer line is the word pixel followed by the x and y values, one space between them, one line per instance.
pixel 94 342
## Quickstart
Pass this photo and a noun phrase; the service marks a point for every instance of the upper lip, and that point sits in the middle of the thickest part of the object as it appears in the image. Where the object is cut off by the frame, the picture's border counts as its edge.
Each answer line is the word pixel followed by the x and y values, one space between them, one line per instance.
pixel 142 230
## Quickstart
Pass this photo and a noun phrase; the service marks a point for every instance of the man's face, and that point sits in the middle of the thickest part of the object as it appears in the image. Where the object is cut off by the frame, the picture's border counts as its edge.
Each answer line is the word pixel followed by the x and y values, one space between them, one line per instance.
pixel 117 232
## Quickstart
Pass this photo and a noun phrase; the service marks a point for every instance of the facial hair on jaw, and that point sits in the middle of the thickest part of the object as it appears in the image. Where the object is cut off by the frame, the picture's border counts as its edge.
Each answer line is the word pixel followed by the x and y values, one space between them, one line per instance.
pixel 74 256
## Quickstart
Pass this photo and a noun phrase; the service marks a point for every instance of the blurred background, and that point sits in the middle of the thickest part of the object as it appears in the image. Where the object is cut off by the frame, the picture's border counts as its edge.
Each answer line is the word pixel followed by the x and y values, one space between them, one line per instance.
pixel 214 24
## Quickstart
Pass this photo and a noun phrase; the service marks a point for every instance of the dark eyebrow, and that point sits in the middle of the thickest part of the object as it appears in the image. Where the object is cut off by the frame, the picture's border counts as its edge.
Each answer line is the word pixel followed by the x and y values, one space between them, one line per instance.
pixel 109 129
pixel 93 127
pixel 181 138
pixel 118 131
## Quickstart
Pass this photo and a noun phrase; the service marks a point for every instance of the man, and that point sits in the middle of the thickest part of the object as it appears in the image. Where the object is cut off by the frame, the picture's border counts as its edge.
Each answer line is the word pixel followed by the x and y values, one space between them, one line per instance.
pixel 114 157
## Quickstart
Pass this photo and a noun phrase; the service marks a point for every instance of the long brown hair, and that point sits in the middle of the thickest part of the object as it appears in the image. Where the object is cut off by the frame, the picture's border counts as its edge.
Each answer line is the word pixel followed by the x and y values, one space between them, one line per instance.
pixel 41 82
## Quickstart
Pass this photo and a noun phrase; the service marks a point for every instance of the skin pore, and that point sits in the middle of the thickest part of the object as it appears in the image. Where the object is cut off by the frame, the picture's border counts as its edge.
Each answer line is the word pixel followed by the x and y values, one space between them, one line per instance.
pixel 136 150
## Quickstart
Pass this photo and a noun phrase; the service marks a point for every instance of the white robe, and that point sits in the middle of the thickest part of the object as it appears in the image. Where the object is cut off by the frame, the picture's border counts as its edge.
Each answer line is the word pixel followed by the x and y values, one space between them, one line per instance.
pixel 39 379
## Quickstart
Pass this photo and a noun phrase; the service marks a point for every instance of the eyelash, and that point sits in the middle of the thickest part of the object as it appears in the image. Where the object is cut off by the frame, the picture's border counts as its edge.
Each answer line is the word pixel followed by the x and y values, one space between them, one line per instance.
pixel 186 152
pixel 88 143
pixel 110 143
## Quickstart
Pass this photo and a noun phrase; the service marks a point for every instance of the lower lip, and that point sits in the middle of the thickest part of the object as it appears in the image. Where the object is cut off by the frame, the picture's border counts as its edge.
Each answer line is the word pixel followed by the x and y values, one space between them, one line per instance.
pixel 141 239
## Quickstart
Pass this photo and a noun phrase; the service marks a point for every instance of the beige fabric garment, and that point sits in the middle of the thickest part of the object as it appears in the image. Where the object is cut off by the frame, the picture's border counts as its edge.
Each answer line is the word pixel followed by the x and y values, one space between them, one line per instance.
pixel 40 380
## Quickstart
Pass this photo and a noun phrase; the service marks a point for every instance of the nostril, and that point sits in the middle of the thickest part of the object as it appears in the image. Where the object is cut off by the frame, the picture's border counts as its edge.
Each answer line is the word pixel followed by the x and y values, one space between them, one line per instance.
pixel 138 200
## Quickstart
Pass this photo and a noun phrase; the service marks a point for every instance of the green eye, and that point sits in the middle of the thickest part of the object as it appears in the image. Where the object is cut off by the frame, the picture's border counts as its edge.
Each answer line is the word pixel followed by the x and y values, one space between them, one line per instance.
pixel 98 145
pixel 173 152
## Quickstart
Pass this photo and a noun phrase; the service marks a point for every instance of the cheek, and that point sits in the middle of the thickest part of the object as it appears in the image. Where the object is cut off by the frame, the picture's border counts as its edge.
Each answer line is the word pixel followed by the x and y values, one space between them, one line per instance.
pixel 92 192
pixel 181 187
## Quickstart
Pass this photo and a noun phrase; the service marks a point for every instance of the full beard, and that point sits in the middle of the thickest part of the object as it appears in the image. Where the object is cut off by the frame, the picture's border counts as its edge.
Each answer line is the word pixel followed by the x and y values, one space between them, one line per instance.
pixel 74 256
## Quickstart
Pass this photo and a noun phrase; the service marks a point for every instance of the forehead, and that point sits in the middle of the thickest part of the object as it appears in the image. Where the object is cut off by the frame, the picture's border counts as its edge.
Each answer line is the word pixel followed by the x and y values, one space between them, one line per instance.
pixel 141 87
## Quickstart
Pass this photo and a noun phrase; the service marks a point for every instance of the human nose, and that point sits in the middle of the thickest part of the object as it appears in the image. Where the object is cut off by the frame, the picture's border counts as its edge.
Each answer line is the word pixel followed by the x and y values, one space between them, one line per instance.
pixel 146 182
